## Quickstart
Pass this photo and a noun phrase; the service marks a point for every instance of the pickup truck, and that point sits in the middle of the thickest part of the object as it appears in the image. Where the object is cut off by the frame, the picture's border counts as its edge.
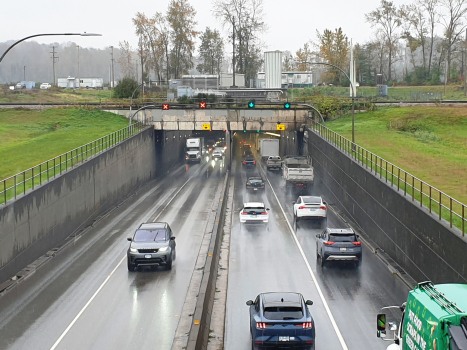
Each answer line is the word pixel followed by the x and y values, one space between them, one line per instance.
pixel 274 162
pixel 297 170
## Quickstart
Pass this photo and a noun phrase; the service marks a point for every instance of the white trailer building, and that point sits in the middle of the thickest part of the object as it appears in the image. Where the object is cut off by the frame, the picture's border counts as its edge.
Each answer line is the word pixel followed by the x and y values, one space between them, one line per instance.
pixel 74 83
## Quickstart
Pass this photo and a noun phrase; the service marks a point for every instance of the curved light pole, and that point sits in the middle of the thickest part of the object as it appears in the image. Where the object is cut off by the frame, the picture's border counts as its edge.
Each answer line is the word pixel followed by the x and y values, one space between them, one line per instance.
pixel 33 36
pixel 353 93
pixel 131 101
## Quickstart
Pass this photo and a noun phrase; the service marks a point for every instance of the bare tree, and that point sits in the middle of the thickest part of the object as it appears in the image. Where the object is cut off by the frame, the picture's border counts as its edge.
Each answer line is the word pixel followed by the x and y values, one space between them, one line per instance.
pixel 416 30
pixel 388 19
pixel 454 25
pixel 432 17
pixel 181 18
pixel 246 19
pixel 125 59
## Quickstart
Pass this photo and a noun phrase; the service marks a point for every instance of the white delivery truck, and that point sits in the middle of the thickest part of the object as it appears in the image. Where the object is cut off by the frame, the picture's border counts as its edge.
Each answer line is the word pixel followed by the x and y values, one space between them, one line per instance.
pixel 269 147
pixel 194 149
pixel 297 170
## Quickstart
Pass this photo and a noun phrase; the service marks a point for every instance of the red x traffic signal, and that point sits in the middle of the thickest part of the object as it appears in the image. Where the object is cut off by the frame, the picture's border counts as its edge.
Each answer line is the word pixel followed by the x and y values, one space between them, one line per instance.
pixel 165 106
pixel 202 105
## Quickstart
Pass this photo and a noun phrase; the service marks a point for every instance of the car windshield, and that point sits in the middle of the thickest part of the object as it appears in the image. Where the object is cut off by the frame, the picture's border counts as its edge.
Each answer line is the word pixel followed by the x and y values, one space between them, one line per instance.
pixel 342 238
pixel 283 312
pixel 254 210
pixel 312 200
pixel 255 181
pixel 157 235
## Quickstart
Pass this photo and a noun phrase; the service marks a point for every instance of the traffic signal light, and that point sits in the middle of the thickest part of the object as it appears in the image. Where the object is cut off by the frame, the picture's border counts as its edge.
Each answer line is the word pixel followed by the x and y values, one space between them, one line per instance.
pixel 202 105
pixel 251 104
pixel 165 106
pixel 287 105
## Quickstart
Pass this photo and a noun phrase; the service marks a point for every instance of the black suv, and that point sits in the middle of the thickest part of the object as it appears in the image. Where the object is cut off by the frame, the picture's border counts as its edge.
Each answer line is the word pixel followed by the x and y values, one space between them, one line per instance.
pixel 338 244
pixel 153 244
pixel 255 184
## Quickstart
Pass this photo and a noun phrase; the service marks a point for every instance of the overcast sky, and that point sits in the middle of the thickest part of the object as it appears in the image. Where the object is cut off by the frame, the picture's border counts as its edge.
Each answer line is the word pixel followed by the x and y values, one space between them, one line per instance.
pixel 291 22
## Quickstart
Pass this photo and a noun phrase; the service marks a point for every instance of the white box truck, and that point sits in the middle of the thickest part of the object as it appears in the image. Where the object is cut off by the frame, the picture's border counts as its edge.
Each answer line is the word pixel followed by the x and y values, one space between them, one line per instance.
pixel 269 147
pixel 194 149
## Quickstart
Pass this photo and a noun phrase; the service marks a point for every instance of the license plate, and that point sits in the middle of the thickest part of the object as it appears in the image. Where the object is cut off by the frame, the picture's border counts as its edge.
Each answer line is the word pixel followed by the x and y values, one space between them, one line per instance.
pixel 284 338
pixel 312 209
pixel 253 216
pixel 147 256
pixel 343 249
pixel 255 189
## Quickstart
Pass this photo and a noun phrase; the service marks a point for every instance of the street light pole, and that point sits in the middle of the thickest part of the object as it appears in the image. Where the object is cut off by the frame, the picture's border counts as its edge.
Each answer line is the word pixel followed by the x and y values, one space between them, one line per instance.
pixel 79 77
pixel 35 35
pixel 353 94
pixel 131 101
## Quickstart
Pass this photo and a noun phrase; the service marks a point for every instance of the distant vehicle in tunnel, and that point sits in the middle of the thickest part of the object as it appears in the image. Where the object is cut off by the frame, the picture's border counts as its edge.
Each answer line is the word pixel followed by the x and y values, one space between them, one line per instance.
pixel 255 184
pixel 269 147
pixel 217 153
pixel 338 244
pixel 153 244
pixel 254 212
pixel 249 161
pixel 281 320
pixel 310 207
pixel 194 149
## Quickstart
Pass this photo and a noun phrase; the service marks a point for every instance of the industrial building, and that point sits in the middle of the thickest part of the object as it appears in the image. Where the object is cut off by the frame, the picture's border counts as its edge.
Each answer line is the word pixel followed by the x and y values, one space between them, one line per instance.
pixel 72 83
pixel 288 79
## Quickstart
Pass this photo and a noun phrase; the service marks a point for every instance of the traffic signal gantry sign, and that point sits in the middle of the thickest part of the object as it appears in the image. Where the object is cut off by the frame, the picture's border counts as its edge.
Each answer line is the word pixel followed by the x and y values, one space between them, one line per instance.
pixel 287 105
pixel 202 105
pixel 165 106
pixel 251 104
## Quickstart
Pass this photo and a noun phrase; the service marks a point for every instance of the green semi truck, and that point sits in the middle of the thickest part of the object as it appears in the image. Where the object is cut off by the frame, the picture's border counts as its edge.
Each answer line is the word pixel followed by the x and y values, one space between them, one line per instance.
pixel 434 317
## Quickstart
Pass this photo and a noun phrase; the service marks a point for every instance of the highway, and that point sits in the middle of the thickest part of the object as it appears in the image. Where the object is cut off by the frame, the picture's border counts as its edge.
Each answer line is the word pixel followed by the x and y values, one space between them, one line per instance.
pixel 131 310
pixel 85 298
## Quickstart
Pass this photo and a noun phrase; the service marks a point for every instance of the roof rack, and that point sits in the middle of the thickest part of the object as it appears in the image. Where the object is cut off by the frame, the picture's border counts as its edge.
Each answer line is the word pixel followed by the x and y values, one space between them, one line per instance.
pixel 439 298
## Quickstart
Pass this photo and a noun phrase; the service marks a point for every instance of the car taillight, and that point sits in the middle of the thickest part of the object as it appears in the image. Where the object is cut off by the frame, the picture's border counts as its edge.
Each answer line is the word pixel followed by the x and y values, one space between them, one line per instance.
pixel 243 213
pixel 260 325
pixel 357 243
pixel 306 325
pixel 244 162
pixel 309 341
pixel 265 213
pixel 302 207
pixel 323 207
pixel 328 243
pixel 254 162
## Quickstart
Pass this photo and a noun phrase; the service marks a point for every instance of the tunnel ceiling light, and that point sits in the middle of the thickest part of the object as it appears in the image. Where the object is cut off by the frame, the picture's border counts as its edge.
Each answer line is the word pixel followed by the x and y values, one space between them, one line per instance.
pixel 271 133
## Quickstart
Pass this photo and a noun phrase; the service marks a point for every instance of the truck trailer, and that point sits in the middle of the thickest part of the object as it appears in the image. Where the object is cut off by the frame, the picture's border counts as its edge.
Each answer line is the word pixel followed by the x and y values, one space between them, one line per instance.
pixel 269 147
pixel 434 317
pixel 194 149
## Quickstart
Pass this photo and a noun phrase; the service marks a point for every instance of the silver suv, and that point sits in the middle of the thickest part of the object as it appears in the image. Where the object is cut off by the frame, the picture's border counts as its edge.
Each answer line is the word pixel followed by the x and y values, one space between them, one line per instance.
pixel 338 244
pixel 153 244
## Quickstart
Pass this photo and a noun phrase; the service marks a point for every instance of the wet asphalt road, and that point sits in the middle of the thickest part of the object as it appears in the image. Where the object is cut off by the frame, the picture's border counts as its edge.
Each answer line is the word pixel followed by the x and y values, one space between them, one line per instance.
pixel 140 310
pixel 264 259
pixel 132 310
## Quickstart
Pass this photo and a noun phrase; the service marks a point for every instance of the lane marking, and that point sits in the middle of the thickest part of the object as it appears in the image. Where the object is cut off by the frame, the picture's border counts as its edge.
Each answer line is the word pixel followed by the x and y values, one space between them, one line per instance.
pixel 108 277
pixel 321 295
pixel 85 306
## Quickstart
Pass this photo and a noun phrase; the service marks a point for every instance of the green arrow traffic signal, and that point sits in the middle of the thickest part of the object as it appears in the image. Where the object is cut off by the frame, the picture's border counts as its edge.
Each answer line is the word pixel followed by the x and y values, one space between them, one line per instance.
pixel 287 105
pixel 251 104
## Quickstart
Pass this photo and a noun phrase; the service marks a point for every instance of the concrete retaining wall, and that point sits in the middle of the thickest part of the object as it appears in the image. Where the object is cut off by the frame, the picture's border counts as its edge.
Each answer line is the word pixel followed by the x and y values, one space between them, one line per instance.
pixel 421 244
pixel 43 218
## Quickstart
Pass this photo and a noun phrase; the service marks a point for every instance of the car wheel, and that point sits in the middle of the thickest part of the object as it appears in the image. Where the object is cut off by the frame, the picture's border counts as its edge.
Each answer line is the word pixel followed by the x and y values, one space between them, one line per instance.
pixel 169 263
pixel 253 345
pixel 174 254
pixel 131 267
pixel 297 219
pixel 323 260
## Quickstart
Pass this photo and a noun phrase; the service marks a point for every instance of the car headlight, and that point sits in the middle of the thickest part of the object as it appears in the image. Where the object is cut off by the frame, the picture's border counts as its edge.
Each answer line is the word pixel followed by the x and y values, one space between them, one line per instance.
pixel 163 249
pixel 133 250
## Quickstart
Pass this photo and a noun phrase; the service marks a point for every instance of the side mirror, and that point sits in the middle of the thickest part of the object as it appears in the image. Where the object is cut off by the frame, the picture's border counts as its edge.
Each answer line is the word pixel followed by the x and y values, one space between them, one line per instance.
pixel 381 325
pixel 309 302
pixel 294 202
pixel 268 209
pixel 249 302
pixel 129 239
pixel 318 236
pixel 172 238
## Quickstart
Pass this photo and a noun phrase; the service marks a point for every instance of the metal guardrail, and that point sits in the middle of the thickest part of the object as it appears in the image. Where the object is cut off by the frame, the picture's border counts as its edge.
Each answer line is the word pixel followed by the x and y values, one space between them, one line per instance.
pixel 20 183
pixel 418 190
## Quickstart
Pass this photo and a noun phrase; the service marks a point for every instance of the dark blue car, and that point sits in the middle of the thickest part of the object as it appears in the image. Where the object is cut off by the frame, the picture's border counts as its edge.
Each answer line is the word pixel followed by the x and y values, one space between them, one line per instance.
pixel 281 320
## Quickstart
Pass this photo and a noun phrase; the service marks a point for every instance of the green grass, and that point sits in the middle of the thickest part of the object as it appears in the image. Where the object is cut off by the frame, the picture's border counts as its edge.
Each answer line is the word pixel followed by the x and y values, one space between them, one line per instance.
pixel 29 137
pixel 428 142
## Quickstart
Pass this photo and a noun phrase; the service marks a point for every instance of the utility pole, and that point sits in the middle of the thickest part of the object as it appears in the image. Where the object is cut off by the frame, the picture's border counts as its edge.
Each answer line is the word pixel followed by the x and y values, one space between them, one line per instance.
pixel 53 62
pixel 233 53
pixel 113 72
pixel 24 73
pixel 79 77
pixel 136 69
pixel 142 64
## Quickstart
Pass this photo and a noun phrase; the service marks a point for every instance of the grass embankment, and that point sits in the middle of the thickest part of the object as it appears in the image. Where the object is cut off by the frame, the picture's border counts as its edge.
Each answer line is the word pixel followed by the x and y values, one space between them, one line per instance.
pixel 29 137
pixel 428 142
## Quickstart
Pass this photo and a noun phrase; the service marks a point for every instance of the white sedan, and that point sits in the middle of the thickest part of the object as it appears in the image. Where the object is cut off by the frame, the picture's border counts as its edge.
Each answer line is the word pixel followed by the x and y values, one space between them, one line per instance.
pixel 45 86
pixel 309 207
pixel 254 212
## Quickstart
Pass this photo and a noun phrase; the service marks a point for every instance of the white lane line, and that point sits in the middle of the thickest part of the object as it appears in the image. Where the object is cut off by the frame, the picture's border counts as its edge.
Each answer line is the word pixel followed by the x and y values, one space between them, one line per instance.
pixel 85 306
pixel 108 277
pixel 321 295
